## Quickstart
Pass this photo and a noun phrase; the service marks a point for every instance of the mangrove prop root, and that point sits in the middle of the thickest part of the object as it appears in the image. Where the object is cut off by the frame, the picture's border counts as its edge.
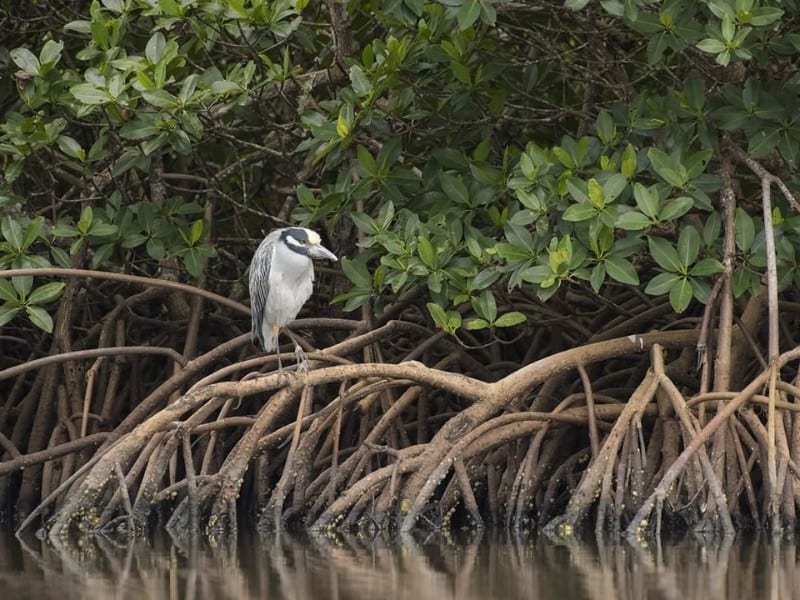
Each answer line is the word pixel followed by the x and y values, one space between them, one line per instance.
pixel 406 445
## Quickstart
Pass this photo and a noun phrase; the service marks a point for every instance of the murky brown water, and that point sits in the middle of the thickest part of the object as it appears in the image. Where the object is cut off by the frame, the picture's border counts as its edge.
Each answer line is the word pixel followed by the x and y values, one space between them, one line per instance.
pixel 490 566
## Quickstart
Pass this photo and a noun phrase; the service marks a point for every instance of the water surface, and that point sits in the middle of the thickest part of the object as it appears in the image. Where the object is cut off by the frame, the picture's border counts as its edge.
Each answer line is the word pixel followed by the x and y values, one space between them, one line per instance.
pixel 414 567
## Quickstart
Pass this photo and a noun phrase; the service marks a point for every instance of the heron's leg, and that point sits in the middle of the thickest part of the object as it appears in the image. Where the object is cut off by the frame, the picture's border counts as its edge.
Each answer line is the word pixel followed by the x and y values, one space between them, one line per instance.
pixel 299 353
pixel 276 332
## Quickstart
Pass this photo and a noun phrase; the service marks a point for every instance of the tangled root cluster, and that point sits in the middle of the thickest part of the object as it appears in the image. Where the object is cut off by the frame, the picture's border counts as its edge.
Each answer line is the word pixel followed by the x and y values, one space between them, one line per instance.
pixel 396 427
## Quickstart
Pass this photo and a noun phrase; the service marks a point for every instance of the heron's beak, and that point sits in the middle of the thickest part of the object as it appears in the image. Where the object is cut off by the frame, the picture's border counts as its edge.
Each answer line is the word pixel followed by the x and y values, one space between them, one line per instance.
pixel 321 252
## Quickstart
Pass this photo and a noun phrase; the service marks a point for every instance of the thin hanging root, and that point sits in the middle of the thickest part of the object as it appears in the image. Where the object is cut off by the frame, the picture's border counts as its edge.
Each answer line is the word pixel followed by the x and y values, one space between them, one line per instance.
pixel 623 461
pixel 760 432
pixel 418 504
pixel 587 388
pixel 143 460
pixel 387 498
pixel 275 506
pixel 412 458
pixel 634 527
pixel 679 405
pixel 126 500
pixel 522 477
pixel 604 500
pixel 191 481
pixel 540 462
pixel 745 466
pixel 586 492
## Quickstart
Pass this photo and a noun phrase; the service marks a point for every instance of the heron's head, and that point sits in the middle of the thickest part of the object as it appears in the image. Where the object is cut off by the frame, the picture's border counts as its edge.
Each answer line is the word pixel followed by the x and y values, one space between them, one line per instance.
pixel 307 242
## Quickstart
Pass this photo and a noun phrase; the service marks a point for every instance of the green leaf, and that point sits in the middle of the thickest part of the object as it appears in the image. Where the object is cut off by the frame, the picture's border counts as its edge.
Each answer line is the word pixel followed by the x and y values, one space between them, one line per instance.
pixel 193 261
pixel 485 306
pixel 434 280
pixel 765 15
pixel 12 232
pixel 438 314
pixel 661 284
pixel 723 58
pixel 680 295
pixel 475 324
pixel 763 142
pixel 46 293
pixel 70 146
pixel 688 245
pixel 621 270
pixel 155 249
pixel 25 60
pixel 454 188
pixel 102 253
pixel 138 129
pixel 579 212
pixel 85 221
pixel 357 273
pixel 484 279
pixel 674 208
pixel 712 229
pixel 40 317
pixel 468 13
pixel 196 232
pixel 51 52
pixel 99 229
pixel 597 276
pixel 155 47
pixel 577 189
pixel 563 157
pixel 706 266
pixel 171 8
pixel 664 254
pixel 386 215
pixel 606 129
pixel 365 223
pixel 629 162
pixel 745 230
pixel 560 255
pixel 595 192
pixel 665 167
pixel 90 94
pixel 160 98
pixel 576 4
pixel 426 252
pixel 188 88
pixel 366 161
pixel 711 45
pixel 727 28
pixel 32 232
pixel 344 121
pixel 614 186
pixel 60 257
pixel 7 291
pixel 646 199
pixel 510 319
pixel 453 321
pixel 7 313
pixel 361 84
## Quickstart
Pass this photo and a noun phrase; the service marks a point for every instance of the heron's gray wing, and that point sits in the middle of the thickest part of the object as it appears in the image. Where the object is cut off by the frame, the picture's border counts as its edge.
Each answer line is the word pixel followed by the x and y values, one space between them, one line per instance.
pixel 259 284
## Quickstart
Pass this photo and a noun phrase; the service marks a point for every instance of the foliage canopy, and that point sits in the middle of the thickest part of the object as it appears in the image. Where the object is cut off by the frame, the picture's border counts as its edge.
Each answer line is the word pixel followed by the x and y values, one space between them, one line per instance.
pixel 547 175
pixel 476 147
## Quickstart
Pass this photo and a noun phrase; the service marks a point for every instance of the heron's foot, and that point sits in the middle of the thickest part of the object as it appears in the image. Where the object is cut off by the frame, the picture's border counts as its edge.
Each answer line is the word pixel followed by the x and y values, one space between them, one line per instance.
pixel 302 359
pixel 284 377
pixel 254 375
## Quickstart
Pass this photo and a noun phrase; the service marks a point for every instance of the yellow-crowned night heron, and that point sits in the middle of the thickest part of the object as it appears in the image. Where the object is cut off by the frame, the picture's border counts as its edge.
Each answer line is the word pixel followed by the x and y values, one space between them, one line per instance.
pixel 281 281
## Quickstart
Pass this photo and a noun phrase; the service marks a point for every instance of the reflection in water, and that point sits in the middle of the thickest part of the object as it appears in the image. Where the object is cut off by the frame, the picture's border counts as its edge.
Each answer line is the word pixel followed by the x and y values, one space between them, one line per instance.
pixel 317 567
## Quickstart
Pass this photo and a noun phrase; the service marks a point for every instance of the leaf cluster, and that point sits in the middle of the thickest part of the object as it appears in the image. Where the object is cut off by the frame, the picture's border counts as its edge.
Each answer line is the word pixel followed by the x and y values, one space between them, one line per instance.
pixel 490 153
